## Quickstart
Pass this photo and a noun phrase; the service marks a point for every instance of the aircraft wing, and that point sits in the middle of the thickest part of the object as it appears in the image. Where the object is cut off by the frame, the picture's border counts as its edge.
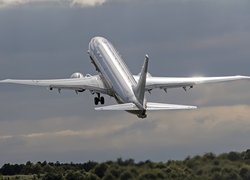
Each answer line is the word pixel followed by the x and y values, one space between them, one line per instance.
pixel 92 83
pixel 175 82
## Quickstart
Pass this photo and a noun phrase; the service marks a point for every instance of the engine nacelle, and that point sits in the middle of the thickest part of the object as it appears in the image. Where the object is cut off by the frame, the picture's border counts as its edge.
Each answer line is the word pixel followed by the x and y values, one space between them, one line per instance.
pixel 77 75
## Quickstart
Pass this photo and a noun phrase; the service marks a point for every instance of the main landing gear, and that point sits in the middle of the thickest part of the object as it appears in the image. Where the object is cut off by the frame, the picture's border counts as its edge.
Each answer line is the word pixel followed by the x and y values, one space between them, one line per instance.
pixel 99 99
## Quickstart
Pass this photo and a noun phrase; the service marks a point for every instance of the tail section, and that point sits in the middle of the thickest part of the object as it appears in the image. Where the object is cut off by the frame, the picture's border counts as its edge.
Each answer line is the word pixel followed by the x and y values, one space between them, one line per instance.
pixel 139 89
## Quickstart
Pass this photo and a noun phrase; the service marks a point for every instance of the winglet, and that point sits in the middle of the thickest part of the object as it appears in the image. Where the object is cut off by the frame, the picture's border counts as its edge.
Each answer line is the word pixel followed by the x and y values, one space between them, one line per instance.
pixel 139 89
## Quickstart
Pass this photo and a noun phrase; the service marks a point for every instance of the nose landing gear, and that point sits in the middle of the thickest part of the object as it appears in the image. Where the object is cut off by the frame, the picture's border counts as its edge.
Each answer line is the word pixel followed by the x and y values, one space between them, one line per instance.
pixel 99 99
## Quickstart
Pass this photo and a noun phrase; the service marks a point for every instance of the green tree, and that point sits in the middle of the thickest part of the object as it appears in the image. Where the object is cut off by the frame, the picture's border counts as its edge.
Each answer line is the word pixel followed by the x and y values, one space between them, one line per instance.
pixel 44 163
pixel 7 169
pixel 233 156
pixel 53 176
pixel 115 170
pixel 147 176
pixel 109 176
pixel 48 168
pixel 246 156
pixel 100 170
pixel 245 173
pixel 209 156
pixel 89 165
pixel 126 176
pixel 91 176
pixel 71 175
pixel 36 169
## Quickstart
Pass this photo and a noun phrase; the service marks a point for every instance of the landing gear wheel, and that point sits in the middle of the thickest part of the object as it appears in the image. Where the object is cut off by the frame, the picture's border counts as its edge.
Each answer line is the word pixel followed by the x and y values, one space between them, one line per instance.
pixel 102 100
pixel 99 99
pixel 96 101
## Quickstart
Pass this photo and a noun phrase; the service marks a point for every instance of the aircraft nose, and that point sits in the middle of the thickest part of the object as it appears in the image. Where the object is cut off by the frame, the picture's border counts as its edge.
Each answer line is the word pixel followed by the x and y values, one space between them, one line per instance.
pixel 94 42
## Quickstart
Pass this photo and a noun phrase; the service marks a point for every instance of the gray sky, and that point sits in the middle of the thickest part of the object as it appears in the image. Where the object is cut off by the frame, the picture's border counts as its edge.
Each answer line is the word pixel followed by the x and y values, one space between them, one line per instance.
pixel 49 39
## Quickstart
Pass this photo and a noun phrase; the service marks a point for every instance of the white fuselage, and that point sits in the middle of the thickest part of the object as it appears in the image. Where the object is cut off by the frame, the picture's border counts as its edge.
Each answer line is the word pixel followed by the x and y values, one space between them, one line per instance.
pixel 116 74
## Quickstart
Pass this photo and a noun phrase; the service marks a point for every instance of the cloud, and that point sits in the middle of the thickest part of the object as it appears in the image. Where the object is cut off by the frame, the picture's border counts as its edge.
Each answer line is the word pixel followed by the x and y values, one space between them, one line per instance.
pixel 39 125
pixel 72 3
pixel 208 126
pixel 87 2
pixel 227 40
pixel 5 137
pixel 90 133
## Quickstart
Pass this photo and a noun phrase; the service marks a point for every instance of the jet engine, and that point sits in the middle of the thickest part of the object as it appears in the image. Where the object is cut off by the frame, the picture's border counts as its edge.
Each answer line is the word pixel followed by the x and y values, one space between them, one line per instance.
pixel 77 75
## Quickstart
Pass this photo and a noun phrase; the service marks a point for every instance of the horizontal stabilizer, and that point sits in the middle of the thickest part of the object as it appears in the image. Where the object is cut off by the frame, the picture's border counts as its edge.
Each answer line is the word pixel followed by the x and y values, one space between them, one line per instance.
pixel 119 107
pixel 150 107
pixel 160 106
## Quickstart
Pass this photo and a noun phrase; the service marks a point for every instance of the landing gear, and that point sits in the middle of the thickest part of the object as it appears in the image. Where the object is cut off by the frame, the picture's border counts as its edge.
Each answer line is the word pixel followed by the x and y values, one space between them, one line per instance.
pixel 99 99
pixel 102 100
pixel 96 100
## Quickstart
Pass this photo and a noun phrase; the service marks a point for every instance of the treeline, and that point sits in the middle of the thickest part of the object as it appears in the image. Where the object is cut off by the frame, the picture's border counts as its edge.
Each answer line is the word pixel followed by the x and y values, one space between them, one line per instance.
pixel 228 166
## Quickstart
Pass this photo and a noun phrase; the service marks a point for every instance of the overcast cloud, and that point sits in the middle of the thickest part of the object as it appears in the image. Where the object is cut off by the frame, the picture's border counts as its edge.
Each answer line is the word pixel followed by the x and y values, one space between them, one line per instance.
pixel 81 3
pixel 49 39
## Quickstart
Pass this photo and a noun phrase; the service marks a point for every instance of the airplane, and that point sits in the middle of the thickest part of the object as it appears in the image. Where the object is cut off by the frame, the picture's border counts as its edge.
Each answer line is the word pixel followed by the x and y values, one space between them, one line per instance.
pixel 115 79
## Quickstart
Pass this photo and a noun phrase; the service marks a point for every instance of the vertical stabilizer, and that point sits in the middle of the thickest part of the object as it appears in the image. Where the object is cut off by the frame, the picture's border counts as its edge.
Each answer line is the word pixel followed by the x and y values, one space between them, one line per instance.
pixel 139 90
